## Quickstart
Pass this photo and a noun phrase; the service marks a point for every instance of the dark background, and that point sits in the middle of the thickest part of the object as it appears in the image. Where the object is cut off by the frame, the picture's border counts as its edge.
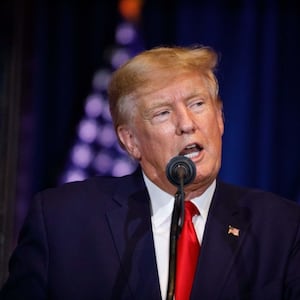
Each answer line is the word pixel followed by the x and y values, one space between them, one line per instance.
pixel 50 50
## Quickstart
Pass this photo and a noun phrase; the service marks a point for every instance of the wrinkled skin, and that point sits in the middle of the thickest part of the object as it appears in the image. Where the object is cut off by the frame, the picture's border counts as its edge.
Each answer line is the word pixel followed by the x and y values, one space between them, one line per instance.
pixel 168 119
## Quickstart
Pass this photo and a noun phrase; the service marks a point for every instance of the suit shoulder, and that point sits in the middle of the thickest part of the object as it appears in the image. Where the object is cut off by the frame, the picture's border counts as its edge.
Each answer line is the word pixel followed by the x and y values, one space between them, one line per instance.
pixel 258 199
pixel 91 189
pixel 76 187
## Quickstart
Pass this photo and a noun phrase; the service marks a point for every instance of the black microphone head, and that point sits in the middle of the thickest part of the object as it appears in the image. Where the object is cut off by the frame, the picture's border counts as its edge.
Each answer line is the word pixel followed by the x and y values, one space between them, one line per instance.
pixel 180 168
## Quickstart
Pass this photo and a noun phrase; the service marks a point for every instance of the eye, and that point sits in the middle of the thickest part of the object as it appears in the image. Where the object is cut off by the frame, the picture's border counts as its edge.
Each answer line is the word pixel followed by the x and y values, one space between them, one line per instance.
pixel 196 105
pixel 161 115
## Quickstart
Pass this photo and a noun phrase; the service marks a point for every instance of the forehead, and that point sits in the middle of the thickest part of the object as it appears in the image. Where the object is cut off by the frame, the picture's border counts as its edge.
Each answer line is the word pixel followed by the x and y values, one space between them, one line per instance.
pixel 181 86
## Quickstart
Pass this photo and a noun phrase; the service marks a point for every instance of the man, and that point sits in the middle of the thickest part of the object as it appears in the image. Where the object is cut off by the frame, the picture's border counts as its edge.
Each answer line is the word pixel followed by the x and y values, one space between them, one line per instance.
pixel 108 238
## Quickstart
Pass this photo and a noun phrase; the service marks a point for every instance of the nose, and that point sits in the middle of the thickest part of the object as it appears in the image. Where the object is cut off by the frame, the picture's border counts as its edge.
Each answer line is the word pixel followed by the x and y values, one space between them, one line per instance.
pixel 185 122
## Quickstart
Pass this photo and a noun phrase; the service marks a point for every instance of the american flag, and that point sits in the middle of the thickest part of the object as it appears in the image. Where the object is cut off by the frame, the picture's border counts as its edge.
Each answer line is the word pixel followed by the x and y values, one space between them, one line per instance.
pixel 233 230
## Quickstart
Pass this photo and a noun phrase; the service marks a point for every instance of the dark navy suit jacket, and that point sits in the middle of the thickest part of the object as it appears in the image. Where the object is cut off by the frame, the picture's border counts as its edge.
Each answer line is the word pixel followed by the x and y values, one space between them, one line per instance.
pixel 93 240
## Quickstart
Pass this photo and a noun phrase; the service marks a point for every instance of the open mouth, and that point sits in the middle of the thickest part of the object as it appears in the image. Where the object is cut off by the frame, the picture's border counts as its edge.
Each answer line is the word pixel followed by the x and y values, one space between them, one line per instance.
pixel 191 151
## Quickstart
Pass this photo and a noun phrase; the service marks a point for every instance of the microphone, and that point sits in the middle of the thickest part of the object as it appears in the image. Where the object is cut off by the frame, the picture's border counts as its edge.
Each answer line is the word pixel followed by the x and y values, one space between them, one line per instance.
pixel 181 170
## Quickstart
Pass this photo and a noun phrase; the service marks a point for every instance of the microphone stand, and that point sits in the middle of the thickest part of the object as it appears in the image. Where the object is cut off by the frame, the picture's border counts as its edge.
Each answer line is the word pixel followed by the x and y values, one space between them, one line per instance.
pixel 176 226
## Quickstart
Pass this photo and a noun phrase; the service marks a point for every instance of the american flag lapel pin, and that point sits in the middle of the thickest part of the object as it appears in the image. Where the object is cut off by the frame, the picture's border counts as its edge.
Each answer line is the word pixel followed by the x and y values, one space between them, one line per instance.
pixel 233 230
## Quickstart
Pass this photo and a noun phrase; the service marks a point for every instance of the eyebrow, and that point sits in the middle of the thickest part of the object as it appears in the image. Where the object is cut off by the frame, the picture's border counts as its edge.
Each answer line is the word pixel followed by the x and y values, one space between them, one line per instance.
pixel 161 102
pixel 156 105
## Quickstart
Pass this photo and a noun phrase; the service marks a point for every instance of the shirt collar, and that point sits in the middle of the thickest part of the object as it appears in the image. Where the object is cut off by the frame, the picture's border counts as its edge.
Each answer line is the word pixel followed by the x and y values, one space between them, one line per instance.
pixel 162 203
pixel 203 202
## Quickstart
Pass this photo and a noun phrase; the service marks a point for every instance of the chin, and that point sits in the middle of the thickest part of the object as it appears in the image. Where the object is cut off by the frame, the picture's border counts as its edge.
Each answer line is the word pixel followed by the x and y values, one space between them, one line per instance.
pixel 204 179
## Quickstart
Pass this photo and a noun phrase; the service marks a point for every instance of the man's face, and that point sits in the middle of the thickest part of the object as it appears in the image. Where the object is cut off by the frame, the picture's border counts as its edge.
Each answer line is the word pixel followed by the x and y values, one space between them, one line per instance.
pixel 178 118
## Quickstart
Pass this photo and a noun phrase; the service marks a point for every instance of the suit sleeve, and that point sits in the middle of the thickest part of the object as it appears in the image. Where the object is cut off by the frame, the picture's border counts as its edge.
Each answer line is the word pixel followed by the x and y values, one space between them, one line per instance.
pixel 29 262
pixel 292 289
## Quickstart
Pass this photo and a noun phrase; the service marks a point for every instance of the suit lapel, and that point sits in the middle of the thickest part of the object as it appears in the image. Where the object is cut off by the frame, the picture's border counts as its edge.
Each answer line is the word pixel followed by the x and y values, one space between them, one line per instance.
pixel 220 245
pixel 130 224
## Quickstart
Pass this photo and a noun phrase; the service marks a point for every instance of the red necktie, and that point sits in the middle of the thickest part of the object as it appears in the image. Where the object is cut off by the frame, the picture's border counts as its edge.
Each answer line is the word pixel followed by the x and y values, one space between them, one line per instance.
pixel 188 250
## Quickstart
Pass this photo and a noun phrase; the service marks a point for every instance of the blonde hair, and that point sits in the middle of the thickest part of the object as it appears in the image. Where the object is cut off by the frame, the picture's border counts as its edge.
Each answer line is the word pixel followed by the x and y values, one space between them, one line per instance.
pixel 153 67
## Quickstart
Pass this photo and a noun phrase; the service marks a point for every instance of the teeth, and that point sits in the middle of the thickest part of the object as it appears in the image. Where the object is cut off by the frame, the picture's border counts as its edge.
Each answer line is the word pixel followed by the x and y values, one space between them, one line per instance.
pixel 191 150
pixel 191 146
pixel 191 155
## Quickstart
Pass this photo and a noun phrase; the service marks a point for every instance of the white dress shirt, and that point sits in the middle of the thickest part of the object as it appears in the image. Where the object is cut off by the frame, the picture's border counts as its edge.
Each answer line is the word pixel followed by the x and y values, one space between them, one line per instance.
pixel 162 207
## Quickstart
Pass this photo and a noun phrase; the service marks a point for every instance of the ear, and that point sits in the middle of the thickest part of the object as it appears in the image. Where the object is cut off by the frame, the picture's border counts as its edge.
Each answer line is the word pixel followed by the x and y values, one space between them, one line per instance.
pixel 221 121
pixel 127 138
pixel 220 116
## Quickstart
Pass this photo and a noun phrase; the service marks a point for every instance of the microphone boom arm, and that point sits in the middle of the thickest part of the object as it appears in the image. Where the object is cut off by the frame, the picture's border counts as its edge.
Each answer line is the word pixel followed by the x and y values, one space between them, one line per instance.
pixel 176 226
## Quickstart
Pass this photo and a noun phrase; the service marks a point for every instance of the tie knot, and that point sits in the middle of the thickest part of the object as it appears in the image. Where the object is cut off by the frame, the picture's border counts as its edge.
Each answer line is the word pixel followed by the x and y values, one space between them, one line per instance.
pixel 190 209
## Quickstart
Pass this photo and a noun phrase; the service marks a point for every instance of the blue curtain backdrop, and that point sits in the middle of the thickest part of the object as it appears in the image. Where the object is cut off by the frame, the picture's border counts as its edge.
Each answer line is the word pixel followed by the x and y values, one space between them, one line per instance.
pixel 258 43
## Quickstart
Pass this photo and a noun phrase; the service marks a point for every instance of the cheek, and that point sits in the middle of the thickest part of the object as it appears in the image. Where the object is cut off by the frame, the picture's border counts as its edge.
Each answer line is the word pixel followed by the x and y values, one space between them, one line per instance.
pixel 150 138
pixel 217 121
pixel 156 141
pixel 143 139
pixel 158 133
pixel 213 132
